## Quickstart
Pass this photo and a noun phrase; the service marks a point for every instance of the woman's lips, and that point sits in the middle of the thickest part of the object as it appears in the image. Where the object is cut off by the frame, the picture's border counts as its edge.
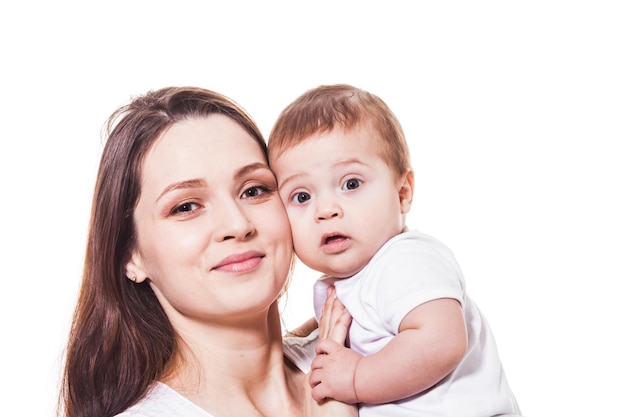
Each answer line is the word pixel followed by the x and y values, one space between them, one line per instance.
pixel 240 262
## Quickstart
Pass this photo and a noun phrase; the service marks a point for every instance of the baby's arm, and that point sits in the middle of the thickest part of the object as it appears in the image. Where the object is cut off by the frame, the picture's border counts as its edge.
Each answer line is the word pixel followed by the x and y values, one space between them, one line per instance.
pixel 333 327
pixel 432 340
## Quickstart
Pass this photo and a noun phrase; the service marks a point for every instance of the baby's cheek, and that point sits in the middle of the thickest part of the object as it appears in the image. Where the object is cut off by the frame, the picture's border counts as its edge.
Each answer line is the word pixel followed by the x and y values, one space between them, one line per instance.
pixel 302 243
pixel 303 233
pixel 296 224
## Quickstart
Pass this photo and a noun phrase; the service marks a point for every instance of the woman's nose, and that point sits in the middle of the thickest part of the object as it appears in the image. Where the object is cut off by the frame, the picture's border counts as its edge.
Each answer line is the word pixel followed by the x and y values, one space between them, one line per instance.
pixel 233 223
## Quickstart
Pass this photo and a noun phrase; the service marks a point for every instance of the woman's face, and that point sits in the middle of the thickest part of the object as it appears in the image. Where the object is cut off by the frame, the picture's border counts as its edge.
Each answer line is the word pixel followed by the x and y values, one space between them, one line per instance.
pixel 212 234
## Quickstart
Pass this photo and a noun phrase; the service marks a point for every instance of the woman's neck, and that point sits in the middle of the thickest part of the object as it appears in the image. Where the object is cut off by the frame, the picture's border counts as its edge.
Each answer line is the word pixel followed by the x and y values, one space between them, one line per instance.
pixel 243 364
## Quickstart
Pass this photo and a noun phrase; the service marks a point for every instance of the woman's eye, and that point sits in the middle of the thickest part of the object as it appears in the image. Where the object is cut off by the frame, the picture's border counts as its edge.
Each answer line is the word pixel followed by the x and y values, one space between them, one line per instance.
pixel 185 208
pixel 352 184
pixel 254 192
pixel 301 197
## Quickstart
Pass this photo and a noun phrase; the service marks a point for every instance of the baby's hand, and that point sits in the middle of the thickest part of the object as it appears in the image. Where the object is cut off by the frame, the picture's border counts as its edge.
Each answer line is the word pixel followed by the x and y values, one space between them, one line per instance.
pixel 334 367
pixel 333 371
pixel 335 319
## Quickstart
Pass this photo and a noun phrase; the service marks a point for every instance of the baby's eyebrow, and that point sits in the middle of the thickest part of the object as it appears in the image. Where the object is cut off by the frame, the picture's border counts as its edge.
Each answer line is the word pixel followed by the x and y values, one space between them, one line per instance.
pixel 349 162
pixel 342 163
pixel 289 179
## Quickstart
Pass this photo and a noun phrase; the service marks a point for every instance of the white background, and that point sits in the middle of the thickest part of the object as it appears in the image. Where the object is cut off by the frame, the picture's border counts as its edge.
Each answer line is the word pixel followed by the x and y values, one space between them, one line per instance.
pixel 515 113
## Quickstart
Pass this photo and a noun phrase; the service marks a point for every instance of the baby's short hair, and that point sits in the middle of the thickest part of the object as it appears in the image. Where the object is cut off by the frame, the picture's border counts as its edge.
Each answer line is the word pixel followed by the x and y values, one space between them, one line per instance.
pixel 342 106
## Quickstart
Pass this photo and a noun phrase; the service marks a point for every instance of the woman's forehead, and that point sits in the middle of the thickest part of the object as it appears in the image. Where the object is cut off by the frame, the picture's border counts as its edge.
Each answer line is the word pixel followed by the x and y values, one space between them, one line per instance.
pixel 201 147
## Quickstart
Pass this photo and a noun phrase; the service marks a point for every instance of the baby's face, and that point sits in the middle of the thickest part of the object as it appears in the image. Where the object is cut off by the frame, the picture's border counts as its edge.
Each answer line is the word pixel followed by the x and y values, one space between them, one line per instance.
pixel 342 199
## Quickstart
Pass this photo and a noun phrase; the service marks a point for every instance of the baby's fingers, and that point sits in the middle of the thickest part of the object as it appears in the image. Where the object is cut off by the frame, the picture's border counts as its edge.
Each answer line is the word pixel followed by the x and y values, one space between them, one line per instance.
pixel 335 319
pixel 319 392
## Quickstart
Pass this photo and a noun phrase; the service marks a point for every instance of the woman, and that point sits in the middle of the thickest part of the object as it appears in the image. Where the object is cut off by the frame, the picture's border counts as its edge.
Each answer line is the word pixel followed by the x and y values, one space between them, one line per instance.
pixel 188 251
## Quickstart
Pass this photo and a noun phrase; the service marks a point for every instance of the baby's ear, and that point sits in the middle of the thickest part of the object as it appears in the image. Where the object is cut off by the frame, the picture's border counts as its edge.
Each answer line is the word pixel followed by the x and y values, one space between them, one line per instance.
pixel 405 192
pixel 134 269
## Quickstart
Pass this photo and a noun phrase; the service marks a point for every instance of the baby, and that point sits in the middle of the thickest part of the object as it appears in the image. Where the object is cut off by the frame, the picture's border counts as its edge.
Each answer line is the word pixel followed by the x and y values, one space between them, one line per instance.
pixel 418 345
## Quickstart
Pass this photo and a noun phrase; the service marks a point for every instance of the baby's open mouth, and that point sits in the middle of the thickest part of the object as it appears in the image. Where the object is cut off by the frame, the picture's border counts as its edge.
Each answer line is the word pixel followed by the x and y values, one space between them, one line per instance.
pixel 333 238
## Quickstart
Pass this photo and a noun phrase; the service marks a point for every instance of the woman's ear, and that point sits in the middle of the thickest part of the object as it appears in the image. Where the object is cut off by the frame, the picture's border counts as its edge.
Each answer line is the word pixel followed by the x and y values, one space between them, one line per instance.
pixel 134 269
pixel 405 192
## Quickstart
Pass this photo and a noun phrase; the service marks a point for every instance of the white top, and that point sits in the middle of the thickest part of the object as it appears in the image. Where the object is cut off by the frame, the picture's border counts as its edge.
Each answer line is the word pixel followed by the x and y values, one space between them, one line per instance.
pixel 411 269
pixel 163 401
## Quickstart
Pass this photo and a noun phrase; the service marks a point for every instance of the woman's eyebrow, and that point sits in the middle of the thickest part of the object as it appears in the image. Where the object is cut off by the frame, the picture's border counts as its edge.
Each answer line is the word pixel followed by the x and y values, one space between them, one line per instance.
pixel 195 183
pixel 245 170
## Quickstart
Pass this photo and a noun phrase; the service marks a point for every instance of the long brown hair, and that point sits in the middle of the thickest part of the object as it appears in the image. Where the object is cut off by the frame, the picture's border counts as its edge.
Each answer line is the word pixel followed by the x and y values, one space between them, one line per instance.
pixel 121 340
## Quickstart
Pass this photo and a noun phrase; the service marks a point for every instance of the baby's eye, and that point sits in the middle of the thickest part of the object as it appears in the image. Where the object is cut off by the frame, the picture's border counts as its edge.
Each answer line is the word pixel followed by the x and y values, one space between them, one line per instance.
pixel 301 197
pixel 255 191
pixel 351 184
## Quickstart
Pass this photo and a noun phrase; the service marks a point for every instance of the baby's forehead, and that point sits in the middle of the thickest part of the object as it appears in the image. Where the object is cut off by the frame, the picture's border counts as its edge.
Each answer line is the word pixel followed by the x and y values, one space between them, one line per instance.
pixel 333 150
pixel 363 129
